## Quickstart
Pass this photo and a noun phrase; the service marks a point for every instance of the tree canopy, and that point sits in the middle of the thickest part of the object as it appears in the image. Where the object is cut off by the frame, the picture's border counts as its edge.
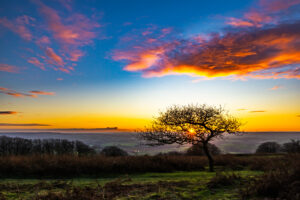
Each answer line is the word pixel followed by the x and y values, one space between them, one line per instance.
pixel 191 124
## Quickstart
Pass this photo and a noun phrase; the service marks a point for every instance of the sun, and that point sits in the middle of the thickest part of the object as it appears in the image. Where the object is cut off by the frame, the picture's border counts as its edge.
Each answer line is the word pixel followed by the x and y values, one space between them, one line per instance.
pixel 191 131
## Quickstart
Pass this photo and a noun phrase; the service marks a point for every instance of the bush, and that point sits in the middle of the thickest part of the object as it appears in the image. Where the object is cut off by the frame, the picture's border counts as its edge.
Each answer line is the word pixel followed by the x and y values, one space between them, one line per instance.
pixel 268 147
pixel 283 182
pixel 93 166
pixel 197 150
pixel 291 147
pixel 223 179
pixel 113 151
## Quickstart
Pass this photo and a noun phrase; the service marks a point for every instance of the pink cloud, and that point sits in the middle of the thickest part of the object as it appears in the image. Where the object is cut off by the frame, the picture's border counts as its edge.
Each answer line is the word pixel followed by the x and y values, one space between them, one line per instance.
pixel 264 14
pixel 43 40
pixel 75 55
pixel 75 30
pixel 19 26
pixel 36 62
pixel 8 68
pixel 53 57
pixel 277 5
pixel 71 32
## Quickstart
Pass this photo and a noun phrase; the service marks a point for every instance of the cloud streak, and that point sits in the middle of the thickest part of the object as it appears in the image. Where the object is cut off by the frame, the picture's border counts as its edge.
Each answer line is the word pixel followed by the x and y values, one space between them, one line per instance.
pixel 8 112
pixel 266 51
pixel 33 124
pixel 41 92
pixel 33 94
pixel 257 111
pixel 8 68
pixel 19 26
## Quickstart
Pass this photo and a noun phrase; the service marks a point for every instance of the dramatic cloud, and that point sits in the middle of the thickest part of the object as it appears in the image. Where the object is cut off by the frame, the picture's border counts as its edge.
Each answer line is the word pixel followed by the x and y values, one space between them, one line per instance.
pixel 33 93
pixel 257 111
pixel 70 31
pixel 34 124
pixel 270 50
pixel 61 36
pixel 19 26
pixel 8 68
pixel 8 112
pixel 268 11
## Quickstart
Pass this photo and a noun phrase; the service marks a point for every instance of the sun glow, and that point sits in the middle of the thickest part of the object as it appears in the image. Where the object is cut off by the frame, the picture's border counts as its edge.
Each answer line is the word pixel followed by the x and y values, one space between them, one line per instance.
pixel 191 131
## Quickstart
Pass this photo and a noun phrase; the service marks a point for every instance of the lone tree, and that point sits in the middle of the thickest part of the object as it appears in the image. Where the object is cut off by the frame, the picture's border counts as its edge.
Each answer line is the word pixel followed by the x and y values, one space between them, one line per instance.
pixel 191 124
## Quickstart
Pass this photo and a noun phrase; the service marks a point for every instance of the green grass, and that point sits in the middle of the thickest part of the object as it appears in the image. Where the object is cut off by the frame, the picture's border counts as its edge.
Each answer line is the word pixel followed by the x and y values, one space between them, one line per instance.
pixel 194 189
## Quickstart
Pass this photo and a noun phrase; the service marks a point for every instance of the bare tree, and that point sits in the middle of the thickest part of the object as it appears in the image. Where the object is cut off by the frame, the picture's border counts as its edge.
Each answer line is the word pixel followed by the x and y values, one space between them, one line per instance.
pixel 191 124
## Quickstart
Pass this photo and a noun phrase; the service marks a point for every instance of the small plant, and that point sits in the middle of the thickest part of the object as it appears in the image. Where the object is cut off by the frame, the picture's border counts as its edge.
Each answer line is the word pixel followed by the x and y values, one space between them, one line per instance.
pixel 223 179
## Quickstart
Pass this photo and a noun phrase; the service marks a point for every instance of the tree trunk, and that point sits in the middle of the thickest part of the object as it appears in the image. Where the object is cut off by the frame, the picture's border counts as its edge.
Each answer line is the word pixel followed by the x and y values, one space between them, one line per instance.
pixel 209 157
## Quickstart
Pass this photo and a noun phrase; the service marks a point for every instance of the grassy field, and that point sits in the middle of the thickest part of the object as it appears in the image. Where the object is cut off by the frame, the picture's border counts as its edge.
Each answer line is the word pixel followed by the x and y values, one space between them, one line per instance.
pixel 176 185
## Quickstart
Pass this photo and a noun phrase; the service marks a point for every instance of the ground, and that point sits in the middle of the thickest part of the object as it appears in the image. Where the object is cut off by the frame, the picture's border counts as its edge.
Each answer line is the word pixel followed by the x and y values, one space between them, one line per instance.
pixel 176 185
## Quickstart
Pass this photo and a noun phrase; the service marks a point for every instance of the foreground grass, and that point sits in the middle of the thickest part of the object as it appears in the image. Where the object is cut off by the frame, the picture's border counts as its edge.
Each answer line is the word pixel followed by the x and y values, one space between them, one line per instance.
pixel 175 185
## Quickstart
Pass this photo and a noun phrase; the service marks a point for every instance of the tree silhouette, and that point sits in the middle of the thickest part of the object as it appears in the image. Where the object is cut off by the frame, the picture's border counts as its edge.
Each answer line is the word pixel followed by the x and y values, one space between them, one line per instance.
pixel 191 124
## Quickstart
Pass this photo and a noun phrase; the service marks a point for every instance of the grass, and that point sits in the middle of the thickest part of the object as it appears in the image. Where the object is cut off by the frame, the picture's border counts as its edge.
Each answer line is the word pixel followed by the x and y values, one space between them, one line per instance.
pixel 175 185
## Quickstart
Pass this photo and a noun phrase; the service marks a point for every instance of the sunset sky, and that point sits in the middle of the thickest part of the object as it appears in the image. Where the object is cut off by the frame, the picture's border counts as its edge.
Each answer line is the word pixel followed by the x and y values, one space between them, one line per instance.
pixel 93 64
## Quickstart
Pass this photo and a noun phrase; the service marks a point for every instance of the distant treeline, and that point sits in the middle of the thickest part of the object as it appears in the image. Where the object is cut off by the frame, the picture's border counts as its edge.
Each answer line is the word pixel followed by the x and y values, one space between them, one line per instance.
pixel 273 147
pixel 21 146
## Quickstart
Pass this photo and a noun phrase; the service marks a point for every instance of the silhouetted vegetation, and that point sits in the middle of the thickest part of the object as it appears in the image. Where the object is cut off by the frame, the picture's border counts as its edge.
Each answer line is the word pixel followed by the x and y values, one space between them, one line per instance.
pixel 223 179
pixel 197 150
pixel 21 146
pixel 75 166
pixel 268 147
pixel 282 182
pixel 95 165
pixel 291 147
pixel 191 124
pixel 113 151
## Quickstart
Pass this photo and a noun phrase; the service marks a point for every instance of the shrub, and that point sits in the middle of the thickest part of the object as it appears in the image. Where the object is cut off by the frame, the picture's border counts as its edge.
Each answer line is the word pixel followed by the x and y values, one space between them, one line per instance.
pixel 113 151
pixel 291 147
pixel 197 150
pixel 93 166
pixel 268 147
pixel 223 179
pixel 280 183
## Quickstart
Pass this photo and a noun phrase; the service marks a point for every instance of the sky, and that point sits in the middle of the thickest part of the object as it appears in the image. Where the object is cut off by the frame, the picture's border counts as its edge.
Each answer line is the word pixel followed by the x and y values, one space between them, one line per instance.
pixel 93 64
